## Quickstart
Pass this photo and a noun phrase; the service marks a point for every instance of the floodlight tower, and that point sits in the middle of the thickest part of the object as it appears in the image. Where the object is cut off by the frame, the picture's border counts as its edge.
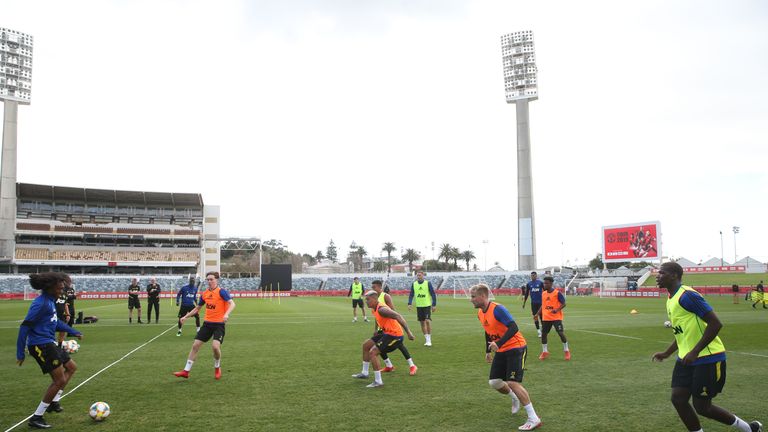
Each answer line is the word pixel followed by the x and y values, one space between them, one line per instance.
pixel 520 87
pixel 15 89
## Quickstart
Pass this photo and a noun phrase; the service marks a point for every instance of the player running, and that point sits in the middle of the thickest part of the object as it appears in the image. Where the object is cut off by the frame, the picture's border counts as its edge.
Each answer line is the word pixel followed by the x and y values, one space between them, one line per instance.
pixel 386 299
pixel 506 350
pixel 188 297
pixel 133 300
pixel 551 313
pixel 533 289
pixel 700 367
pixel 758 295
pixel 426 303
pixel 392 325
pixel 37 333
pixel 218 306
pixel 356 292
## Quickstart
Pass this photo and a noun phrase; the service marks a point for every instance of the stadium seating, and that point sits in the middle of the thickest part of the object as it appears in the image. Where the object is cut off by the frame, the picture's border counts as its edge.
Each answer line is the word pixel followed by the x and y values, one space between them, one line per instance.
pixel 157 255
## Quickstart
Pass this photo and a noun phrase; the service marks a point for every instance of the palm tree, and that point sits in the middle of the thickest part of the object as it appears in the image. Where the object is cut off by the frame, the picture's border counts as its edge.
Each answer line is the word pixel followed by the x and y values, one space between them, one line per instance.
pixel 468 256
pixel 360 252
pixel 389 247
pixel 411 255
pixel 455 255
pixel 445 252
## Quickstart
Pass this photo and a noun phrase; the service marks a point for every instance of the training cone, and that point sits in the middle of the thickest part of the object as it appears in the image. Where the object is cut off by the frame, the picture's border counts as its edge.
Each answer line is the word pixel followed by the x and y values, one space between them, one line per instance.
pixel 634 312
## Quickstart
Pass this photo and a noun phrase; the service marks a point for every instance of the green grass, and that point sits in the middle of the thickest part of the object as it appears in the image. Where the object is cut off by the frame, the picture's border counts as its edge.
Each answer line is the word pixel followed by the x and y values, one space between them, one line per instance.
pixel 287 367
pixel 717 279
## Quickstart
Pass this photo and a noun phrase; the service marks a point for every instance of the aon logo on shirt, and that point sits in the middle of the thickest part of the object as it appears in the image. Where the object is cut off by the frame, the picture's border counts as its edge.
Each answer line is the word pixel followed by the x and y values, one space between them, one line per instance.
pixel 421 296
pixel 210 306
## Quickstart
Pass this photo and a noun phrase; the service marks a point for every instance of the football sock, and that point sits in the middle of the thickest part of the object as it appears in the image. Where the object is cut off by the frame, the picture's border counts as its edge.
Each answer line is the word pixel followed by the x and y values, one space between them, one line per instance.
pixel 188 367
pixel 58 396
pixel 198 327
pixel 537 324
pixel 531 413
pixel 410 362
pixel 388 362
pixel 365 367
pixel 217 363
pixel 428 337
pixel 130 320
pixel 565 346
pixel 544 347
pixel 41 408
pixel 377 377
pixel 179 324
pixel 741 425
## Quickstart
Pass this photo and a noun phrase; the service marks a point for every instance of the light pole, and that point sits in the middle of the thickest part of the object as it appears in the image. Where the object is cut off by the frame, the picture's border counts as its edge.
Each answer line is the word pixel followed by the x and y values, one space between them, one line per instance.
pixel 722 254
pixel 485 255
pixel 735 231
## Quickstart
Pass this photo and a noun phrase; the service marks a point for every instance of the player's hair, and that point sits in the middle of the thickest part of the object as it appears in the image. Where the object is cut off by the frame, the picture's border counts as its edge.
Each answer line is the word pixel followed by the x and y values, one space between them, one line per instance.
pixel 533 273
pixel 356 278
pixel 377 282
pixel 212 273
pixel 549 278
pixel 45 281
pixel 675 268
pixel 481 289
pixel 420 271
pixel 371 293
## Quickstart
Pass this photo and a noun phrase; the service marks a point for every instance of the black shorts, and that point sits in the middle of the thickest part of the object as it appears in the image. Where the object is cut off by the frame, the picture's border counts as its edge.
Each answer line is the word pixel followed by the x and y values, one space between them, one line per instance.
pixel 424 313
pixel 357 303
pixel 509 365
pixel 134 302
pixel 208 330
pixel 704 381
pixel 183 310
pixel 48 356
pixel 535 307
pixel 387 343
pixel 546 326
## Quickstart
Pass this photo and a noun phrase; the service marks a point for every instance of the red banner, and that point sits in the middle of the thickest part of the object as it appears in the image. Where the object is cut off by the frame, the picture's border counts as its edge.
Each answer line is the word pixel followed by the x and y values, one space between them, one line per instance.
pixel 633 242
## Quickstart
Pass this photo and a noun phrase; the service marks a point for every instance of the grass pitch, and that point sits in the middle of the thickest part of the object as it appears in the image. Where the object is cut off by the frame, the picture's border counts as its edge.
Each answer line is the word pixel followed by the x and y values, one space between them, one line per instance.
pixel 717 279
pixel 287 367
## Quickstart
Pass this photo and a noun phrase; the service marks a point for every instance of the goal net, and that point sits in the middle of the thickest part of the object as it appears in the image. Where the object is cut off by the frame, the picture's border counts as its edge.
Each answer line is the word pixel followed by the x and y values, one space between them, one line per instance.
pixel 462 285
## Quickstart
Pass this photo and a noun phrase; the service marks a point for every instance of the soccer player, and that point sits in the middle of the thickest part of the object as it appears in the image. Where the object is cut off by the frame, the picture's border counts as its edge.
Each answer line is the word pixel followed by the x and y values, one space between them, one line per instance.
pixel 37 333
pixel 506 351
pixel 386 299
pixel 700 367
pixel 392 325
pixel 533 289
pixel 426 303
pixel 133 300
pixel 356 292
pixel 153 300
pixel 62 314
pixel 188 297
pixel 218 306
pixel 758 295
pixel 551 313
pixel 69 290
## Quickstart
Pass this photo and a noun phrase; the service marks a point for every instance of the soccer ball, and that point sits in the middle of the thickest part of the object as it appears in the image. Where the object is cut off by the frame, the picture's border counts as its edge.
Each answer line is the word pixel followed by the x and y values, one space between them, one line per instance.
pixel 70 346
pixel 667 324
pixel 99 411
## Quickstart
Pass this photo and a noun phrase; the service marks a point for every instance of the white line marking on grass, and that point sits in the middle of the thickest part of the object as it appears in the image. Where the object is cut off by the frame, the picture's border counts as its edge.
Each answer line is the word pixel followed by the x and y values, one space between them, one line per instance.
pixel 608 334
pixel 99 372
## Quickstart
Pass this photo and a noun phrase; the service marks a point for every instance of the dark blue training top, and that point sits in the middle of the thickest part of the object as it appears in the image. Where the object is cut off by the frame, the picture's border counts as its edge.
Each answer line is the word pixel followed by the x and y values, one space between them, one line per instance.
pixel 502 315
pixel 188 295
pixel 40 325
pixel 534 290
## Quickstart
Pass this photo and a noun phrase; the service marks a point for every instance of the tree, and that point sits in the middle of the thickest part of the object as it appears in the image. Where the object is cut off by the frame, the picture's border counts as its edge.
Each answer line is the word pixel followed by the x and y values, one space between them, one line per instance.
pixel 410 256
pixel 389 247
pixel 330 251
pixel 467 256
pixel 319 256
pixel 596 263
pixel 455 256
pixel 445 252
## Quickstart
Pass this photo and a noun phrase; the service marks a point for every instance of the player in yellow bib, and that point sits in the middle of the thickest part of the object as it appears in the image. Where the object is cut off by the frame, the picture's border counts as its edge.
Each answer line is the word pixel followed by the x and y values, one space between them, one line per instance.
pixel 356 292
pixel 700 367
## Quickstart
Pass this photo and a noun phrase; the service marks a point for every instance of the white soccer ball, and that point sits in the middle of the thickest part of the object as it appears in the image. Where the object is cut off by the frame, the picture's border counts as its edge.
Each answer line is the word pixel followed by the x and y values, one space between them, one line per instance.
pixel 667 324
pixel 71 346
pixel 99 411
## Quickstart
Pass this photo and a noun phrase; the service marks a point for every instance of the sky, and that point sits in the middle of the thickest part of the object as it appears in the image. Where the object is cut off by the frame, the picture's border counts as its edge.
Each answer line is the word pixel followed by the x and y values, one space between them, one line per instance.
pixel 373 121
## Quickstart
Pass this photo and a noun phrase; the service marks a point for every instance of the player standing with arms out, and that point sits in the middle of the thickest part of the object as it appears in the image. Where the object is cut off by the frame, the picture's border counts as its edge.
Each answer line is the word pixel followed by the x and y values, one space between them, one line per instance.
pixel 218 306
pixel 533 290
pixel 426 303
pixel 386 300
pixel 700 366
pixel 391 336
pixel 153 300
pixel 188 297
pixel 551 313
pixel 356 292
pixel 37 333
pixel 133 300
pixel 506 350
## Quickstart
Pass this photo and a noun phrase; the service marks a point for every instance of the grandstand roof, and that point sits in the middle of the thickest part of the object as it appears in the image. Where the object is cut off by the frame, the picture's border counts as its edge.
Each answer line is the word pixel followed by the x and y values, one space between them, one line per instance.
pixel 107 196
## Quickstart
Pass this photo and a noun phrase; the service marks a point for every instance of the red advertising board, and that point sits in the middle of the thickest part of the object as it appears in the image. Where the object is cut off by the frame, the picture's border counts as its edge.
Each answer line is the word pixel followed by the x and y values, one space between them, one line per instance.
pixel 632 242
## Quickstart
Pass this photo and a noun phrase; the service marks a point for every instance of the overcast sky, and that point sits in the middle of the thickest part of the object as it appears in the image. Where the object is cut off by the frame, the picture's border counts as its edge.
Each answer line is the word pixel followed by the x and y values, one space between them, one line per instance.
pixel 374 121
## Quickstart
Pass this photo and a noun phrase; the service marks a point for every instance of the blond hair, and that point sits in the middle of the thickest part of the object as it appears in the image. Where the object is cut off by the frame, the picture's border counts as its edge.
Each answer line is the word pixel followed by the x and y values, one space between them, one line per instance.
pixel 480 289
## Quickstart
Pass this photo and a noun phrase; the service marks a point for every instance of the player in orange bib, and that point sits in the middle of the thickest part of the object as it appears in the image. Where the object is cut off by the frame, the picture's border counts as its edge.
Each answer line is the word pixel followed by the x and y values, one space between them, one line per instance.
pixel 503 338
pixel 218 306
pixel 392 325
pixel 551 313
